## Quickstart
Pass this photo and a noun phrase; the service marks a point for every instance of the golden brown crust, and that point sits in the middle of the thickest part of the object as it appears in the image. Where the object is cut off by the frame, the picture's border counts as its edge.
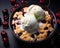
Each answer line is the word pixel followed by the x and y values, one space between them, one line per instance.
pixel 26 35
pixel 47 16
pixel 18 15
pixel 51 29
pixel 42 36
pixel 18 31
pixel 49 25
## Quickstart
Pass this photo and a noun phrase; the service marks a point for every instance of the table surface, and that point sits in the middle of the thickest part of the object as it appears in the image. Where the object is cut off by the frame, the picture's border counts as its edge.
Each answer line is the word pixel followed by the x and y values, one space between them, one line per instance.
pixel 5 4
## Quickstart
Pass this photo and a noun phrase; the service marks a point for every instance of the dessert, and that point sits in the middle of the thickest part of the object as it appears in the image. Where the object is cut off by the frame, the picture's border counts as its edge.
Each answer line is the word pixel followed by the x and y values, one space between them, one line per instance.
pixel 34 25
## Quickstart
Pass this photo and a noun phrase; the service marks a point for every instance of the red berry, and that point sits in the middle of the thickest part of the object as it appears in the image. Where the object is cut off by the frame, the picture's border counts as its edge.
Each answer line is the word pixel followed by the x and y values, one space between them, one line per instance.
pixel 58 20
pixel 16 5
pixel 3 33
pixel 5 12
pixel 5 24
pixel 12 10
pixel 23 1
pixel 58 14
pixel 5 40
pixel 13 2
pixel 6 17
pixel 42 1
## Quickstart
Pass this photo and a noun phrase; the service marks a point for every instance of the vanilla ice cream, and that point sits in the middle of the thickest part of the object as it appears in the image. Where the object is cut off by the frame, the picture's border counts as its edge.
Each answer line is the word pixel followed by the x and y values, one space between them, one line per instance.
pixel 35 9
pixel 29 21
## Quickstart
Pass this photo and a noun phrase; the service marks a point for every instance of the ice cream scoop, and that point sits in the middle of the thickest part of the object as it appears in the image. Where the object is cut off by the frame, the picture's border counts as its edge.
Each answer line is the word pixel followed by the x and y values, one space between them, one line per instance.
pixel 30 19
pixel 36 10
pixel 29 23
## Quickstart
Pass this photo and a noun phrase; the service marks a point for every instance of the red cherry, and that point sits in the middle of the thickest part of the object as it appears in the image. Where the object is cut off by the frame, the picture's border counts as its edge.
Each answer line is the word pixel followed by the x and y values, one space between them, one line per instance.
pixel 3 33
pixel 16 5
pixel 23 1
pixel 5 40
pixel 12 10
pixel 58 20
pixel 13 2
pixel 58 14
pixel 5 12
pixel 5 23
pixel 6 17
pixel 42 1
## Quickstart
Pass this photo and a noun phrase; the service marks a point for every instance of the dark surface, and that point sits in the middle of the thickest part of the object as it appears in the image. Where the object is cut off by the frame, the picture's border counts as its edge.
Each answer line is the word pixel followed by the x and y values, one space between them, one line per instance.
pixel 53 42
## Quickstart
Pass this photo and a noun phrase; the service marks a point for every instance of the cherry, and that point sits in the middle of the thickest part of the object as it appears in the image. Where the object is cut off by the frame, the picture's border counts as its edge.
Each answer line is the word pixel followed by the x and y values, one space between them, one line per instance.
pixel 58 14
pixel 6 17
pixel 5 24
pixel 12 10
pixel 13 2
pixel 22 1
pixel 4 34
pixel 5 40
pixel 5 12
pixel 16 5
pixel 42 1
